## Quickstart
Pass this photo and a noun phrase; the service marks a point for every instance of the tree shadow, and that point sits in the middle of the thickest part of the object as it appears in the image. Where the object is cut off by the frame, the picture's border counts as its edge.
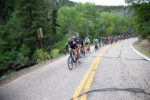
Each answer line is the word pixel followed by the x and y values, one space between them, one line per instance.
pixel 136 59
pixel 132 90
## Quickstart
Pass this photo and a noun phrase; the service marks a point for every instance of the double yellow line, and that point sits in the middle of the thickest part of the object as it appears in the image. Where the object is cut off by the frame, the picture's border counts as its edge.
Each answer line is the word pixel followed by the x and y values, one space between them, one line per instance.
pixel 88 77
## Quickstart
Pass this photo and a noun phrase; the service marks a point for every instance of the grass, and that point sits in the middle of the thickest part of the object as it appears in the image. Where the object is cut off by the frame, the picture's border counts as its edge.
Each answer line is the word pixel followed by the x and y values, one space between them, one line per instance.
pixel 143 47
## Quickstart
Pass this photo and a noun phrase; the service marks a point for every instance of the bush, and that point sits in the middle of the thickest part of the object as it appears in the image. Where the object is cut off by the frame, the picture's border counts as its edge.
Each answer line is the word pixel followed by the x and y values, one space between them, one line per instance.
pixel 62 44
pixel 142 19
pixel 38 56
pixel 148 38
pixel 55 53
pixel 23 55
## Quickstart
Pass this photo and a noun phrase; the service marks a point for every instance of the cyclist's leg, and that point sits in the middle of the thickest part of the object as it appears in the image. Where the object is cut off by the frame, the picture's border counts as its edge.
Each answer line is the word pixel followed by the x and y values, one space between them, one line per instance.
pixel 78 55
pixel 78 49
pixel 70 51
pixel 89 46
pixel 75 53
pixel 83 48
pixel 86 47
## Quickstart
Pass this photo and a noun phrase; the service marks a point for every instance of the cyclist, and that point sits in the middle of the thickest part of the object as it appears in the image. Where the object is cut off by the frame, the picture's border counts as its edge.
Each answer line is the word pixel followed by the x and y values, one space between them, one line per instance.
pixel 102 41
pixel 87 43
pixel 77 45
pixel 82 46
pixel 105 40
pixel 99 42
pixel 96 43
pixel 111 39
pixel 73 47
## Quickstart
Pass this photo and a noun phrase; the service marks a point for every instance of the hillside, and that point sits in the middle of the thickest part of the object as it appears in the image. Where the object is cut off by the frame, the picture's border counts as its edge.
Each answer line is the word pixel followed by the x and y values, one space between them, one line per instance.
pixel 121 10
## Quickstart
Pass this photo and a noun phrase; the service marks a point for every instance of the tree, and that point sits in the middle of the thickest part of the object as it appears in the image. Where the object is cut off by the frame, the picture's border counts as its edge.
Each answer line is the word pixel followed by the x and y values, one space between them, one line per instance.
pixel 90 13
pixel 142 16
pixel 18 34
pixel 68 19
pixel 114 23
pixel 137 1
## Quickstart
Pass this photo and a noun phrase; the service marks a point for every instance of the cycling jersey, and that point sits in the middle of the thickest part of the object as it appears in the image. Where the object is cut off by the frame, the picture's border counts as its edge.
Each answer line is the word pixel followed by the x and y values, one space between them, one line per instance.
pixel 95 41
pixel 99 40
pixel 73 45
pixel 87 41
pixel 81 42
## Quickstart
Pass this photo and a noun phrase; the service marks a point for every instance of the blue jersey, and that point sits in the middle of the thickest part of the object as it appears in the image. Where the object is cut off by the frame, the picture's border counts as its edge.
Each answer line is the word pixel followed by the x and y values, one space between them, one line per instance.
pixel 99 40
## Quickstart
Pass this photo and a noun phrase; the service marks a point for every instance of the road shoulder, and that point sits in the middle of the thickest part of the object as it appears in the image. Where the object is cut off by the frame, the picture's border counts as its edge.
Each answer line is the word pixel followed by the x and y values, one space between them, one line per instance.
pixel 137 52
pixel 25 72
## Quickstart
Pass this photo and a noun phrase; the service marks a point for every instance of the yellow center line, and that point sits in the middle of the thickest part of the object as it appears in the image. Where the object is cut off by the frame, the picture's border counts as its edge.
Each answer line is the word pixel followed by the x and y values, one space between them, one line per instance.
pixel 79 88
pixel 90 80
pixel 81 85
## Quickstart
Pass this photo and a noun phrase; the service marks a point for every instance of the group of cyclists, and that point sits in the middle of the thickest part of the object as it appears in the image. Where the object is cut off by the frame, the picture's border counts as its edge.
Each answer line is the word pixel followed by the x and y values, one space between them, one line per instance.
pixel 78 47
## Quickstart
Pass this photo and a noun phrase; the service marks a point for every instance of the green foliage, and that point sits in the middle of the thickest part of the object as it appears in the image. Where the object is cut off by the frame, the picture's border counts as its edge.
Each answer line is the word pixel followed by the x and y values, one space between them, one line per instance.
pixel 25 50
pixel 68 17
pixel 9 72
pixel 88 22
pixel 55 53
pixel 59 19
pixel 38 56
pixel 23 55
pixel 77 19
pixel 19 21
pixel 142 16
pixel 142 19
pixel 117 24
pixel 61 44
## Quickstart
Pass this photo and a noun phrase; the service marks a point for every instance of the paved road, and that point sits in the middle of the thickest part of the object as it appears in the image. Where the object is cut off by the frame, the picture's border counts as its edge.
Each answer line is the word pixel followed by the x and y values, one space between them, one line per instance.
pixel 120 75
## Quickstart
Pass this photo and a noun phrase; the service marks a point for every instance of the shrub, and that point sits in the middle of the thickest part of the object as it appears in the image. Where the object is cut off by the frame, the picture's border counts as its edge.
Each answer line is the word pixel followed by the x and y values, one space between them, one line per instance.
pixel 55 53
pixel 148 38
pixel 23 55
pixel 62 44
pixel 38 56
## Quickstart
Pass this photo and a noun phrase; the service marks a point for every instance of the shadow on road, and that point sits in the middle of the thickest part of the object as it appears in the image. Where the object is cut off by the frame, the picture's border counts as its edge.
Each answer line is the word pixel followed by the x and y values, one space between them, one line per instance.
pixel 135 59
pixel 133 90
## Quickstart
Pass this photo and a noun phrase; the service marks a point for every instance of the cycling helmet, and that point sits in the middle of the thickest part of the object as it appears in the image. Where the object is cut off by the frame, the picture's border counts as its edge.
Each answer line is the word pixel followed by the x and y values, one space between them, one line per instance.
pixel 74 38
pixel 70 41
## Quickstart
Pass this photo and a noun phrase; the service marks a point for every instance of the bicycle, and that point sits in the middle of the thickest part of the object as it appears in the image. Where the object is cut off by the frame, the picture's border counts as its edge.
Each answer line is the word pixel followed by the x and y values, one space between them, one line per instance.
pixel 82 52
pixel 71 61
pixel 87 48
pixel 95 46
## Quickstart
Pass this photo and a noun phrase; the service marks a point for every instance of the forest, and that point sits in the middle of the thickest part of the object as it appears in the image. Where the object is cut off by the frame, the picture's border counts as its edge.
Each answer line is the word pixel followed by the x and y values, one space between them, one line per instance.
pixel 59 20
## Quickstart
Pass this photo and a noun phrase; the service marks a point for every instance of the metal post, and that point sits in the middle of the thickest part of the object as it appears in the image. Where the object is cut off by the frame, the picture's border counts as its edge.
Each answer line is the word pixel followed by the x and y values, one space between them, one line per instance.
pixel 41 44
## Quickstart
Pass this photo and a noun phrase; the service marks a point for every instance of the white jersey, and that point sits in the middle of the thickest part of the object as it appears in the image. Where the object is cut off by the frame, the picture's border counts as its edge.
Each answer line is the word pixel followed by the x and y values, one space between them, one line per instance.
pixel 87 40
pixel 95 40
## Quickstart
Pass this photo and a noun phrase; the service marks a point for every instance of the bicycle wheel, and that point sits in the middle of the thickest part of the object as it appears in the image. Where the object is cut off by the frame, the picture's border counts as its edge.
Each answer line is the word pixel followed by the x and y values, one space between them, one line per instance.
pixel 70 63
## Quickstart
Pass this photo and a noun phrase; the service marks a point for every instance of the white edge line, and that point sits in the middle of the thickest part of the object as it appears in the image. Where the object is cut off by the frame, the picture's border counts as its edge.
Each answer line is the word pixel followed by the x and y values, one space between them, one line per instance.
pixel 137 52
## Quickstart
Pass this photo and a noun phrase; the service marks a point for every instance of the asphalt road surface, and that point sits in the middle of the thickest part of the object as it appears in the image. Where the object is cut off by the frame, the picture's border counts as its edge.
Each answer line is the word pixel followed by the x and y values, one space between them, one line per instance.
pixel 114 72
